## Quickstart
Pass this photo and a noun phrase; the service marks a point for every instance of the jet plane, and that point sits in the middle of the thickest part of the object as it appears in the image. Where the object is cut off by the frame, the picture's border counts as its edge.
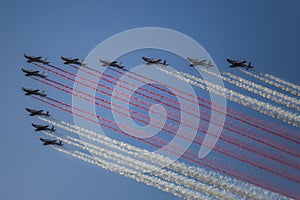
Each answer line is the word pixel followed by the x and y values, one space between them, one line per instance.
pixel 106 63
pixel 237 63
pixel 34 112
pixel 51 142
pixel 74 61
pixel 38 59
pixel 43 127
pixel 195 62
pixel 34 73
pixel 34 92
pixel 150 61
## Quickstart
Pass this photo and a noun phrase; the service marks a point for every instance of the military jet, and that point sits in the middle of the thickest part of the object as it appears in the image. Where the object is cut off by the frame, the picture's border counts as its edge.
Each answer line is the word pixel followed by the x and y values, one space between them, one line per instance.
pixel 195 62
pixel 106 63
pixel 74 61
pixel 237 63
pixel 150 61
pixel 34 112
pixel 51 142
pixel 33 73
pixel 38 59
pixel 34 92
pixel 43 127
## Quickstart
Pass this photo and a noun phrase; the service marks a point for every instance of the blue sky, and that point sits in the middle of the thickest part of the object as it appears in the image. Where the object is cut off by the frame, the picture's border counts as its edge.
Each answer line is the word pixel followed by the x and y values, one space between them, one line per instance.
pixel 265 32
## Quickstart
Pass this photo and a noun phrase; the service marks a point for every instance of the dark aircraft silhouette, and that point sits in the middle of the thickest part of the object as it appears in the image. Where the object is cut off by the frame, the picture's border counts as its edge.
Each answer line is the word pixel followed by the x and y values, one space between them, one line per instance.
pixel 34 92
pixel 51 142
pixel 34 112
pixel 150 61
pixel 74 61
pixel 106 63
pixel 33 73
pixel 43 127
pixel 237 63
pixel 38 59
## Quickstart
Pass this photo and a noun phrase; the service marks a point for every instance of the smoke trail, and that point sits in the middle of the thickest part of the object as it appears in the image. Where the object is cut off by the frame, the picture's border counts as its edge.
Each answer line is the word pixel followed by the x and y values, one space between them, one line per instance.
pixel 270 82
pixel 260 90
pixel 148 180
pixel 297 87
pixel 260 124
pixel 229 184
pixel 255 104
pixel 158 114
pixel 140 166
pixel 224 152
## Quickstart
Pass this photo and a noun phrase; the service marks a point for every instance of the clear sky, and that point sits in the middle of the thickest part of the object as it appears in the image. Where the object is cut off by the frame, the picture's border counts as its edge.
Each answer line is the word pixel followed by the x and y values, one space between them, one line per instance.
pixel 265 32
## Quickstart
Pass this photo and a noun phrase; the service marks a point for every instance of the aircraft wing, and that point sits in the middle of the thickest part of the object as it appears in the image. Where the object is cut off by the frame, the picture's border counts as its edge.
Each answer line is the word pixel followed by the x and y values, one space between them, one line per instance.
pixel 191 60
pixel 104 62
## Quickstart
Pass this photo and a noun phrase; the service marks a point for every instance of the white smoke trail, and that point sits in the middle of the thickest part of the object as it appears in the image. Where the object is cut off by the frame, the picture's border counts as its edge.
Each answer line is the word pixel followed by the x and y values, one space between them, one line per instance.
pixel 297 87
pixel 270 82
pixel 263 107
pixel 225 182
pixel 148 180
pixel 141 166
pixel 257 89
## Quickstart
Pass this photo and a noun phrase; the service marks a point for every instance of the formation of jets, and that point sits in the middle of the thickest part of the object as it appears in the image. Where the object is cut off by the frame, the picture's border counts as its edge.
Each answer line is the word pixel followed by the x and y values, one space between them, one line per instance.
pixel 106 63
pixel 34 112
pixel 234 63
pixel 149 61
pixel 74 61
pixel 237 63
pixel 38 59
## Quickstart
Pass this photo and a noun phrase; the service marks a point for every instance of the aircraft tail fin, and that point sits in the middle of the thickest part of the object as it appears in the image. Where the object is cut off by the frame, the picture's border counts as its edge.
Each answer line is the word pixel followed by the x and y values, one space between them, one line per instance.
pixel 103 64
pixel 249 66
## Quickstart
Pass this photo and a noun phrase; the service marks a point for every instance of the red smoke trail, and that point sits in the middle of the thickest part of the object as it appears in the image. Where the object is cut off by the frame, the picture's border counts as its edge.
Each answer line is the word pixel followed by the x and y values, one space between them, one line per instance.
pixel 231 141
pixel 239 116
pixel 258 123
pixel 227 138
pixel 235 129
pixel 248 177
pixel 217 148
